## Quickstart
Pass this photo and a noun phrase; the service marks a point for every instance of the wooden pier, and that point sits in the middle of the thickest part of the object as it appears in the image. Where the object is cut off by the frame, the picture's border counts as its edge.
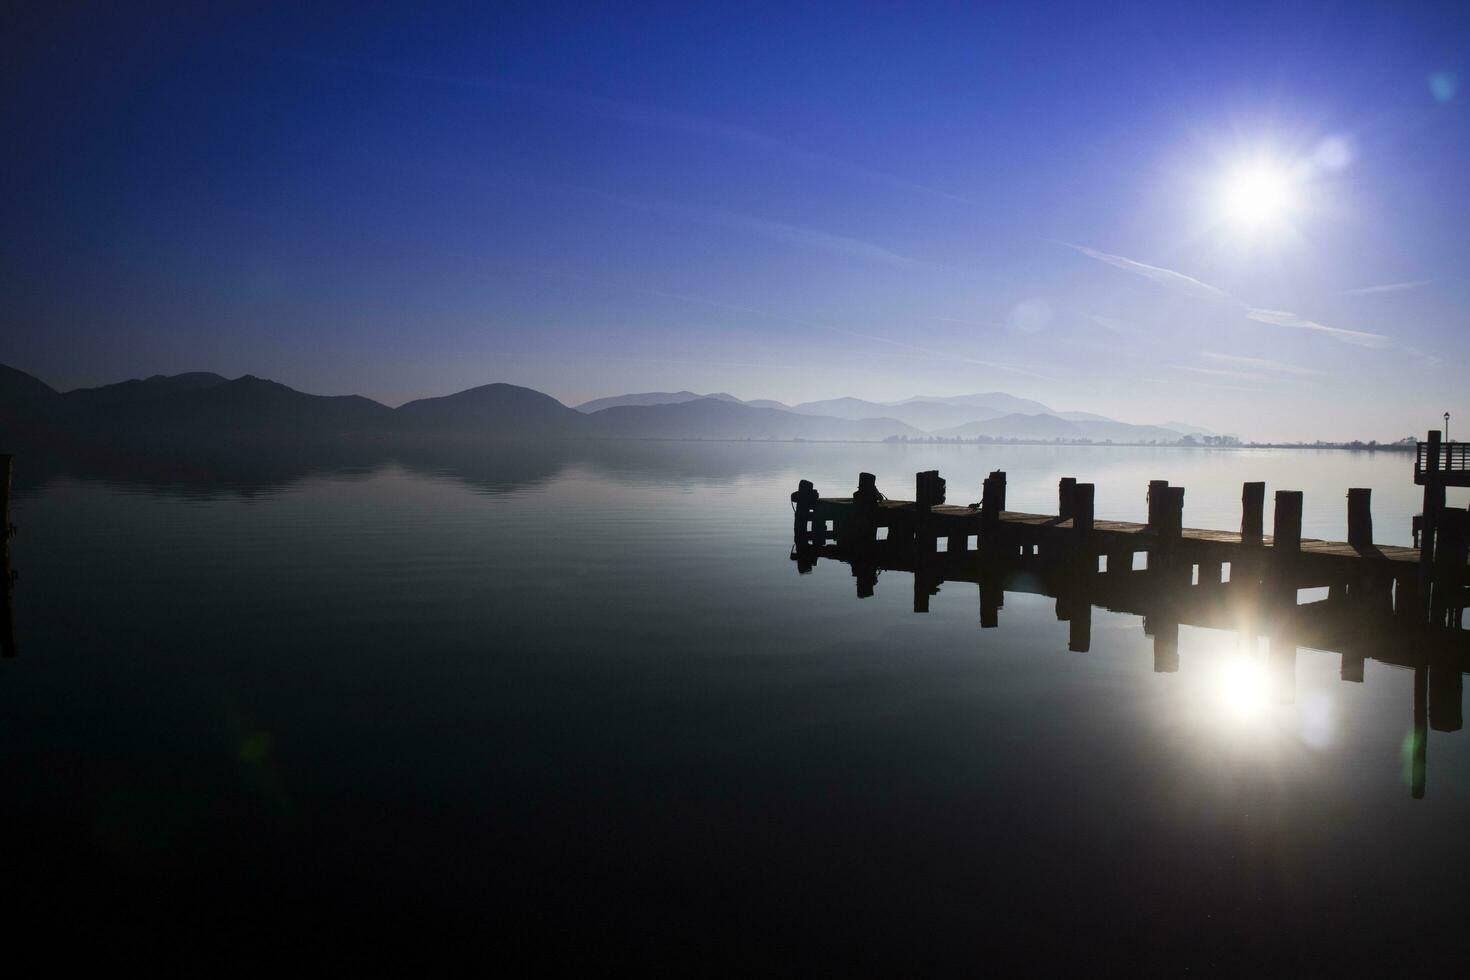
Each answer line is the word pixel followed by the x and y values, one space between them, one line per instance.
pixel 1401 606
pixel 1431 578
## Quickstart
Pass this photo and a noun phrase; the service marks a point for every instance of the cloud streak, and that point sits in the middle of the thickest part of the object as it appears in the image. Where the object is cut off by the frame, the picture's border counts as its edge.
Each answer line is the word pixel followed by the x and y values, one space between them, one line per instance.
pixel 1203 290
pixel 1263 364
pixel 1168 277
pixel 1388 287
pixel 1281 318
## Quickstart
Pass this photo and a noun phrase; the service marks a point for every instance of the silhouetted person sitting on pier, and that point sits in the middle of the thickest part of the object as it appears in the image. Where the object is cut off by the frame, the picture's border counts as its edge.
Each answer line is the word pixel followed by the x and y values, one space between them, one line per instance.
pixel 867 496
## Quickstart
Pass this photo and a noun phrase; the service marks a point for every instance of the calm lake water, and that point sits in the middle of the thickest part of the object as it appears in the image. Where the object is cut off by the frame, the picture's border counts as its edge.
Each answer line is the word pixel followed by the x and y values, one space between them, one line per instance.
pixel 577 707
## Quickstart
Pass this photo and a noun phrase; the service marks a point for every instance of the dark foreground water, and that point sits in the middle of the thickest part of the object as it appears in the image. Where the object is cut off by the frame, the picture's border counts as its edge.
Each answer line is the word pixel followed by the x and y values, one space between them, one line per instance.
pixel 576 707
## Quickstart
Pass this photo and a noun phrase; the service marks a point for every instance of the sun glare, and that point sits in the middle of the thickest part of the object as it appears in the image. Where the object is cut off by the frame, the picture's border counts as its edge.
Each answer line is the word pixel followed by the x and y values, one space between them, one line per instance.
pixel 1256 197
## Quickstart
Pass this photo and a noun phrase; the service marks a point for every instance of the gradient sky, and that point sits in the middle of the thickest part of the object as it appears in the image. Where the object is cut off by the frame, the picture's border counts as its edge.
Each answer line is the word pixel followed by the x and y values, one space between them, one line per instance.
pixel 876 201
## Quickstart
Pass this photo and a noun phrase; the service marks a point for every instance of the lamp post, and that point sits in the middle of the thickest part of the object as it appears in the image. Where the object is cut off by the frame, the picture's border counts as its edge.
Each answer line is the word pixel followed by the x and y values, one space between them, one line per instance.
pixel 1446 426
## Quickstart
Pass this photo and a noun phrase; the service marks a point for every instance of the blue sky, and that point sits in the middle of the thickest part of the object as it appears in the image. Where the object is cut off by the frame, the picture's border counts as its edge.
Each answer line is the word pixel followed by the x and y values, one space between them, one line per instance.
pixel 777 202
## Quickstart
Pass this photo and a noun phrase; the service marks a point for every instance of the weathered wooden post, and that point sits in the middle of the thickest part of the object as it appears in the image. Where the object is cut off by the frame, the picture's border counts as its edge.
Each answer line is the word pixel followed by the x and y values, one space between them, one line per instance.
pixel 992 505
pixel 804 503
pixel 861 528
pixel 928 493
pixel 1433 499
pixel 1066 489
pixel 7 577
pixel 1155 500
pixel 1451 552
pixel 1286 531
pixel 1252 509
pixel 1360 517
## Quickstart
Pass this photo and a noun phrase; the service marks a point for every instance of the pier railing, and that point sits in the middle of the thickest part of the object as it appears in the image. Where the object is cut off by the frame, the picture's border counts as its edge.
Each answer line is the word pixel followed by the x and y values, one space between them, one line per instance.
pixel 1441 457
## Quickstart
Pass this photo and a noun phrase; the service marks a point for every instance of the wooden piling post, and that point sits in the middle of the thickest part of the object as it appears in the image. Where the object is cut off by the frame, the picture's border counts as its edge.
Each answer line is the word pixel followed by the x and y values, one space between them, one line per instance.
pixel 1085 559
pixel 1252 509
pixel 1433 499
pixel 1286 531
pixel 1360 517
pixel 1066 489
pixel 804 504
pixel 992 505
pixel 928 493
pixel 1155 500
pixel 1451 553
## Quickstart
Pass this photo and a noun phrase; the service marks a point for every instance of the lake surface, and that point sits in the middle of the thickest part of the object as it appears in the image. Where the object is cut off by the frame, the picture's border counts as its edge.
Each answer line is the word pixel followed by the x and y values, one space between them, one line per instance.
pixel 576 707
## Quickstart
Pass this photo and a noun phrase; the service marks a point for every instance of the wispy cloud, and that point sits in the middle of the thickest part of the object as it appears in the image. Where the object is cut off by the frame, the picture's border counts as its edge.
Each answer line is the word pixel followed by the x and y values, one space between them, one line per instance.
pixel 810 238
pixel 1281 318
pixel 1157 273
pixel 1254 376
pixel 1263 364
pixel 1203 290
pixel 1388 287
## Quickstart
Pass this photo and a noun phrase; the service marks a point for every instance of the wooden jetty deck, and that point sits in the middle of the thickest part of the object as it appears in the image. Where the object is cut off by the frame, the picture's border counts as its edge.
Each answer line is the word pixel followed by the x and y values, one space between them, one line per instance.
pixel 1436 574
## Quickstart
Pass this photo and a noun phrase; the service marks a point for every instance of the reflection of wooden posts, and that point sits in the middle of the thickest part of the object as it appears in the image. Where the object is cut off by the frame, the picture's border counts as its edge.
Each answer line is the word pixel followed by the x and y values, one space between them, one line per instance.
pixel 1445 691
pixel 7 577
pixel 992 597
pixel 926 584
pixel 1281 653
pixel 1419 750
pixel 1252 511
pixel 1066 488
pixel 1360 517
pixel 1166 643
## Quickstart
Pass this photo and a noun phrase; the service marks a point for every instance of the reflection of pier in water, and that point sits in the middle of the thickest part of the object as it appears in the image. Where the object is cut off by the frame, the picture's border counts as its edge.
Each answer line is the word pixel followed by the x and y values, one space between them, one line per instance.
pixel 1395 605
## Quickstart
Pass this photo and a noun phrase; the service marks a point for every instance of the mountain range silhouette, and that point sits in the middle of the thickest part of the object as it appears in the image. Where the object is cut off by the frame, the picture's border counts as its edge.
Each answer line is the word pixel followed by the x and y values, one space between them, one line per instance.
pixel 202 405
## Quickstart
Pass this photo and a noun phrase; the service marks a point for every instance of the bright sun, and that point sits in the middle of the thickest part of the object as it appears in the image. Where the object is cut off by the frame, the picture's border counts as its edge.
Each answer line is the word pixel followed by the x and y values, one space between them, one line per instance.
pixel 1256 197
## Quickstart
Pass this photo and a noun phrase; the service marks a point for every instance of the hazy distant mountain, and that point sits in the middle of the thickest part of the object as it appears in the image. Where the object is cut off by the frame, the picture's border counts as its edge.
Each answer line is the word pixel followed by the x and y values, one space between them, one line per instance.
pixel 1184 428
pixel 997 402
pixel 255 404
pixel 927 416
pixel 768 403
pixel 204 408
pixel 493 409
pixel 18 389
pixel 128 395
pixel 650 398
pixel 709 418
pixel 1017 426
